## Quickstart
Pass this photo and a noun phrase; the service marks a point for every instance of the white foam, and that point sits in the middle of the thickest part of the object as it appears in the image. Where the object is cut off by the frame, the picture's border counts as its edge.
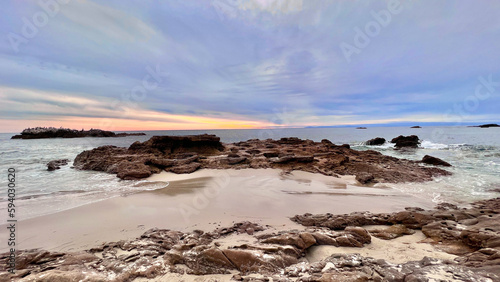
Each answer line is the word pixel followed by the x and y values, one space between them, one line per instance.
pixel 431 145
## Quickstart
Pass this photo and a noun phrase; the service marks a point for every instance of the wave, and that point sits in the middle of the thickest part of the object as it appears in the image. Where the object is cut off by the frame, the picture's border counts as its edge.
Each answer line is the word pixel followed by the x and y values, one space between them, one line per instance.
pixel 426 144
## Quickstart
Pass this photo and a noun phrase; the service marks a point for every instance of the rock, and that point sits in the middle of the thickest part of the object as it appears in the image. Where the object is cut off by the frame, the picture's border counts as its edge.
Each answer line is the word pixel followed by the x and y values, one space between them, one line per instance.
pixel 56 164
pixel 365 178
pixel 271 154
pixel 434 161
pixel 235 160
pixel 241 227
pixel 201 144
pixel 401 141
pixel 416 126
pixel 289 159
pixel 327 142
pixel 375 141
pixel 188 168
pixel 392 232
pixel 133 170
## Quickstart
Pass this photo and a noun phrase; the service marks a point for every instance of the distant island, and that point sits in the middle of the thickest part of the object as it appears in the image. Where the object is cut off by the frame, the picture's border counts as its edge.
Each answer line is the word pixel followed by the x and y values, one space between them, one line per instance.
pixel 361 127
pixel 487 125
pixel 52 132
pixel 416 126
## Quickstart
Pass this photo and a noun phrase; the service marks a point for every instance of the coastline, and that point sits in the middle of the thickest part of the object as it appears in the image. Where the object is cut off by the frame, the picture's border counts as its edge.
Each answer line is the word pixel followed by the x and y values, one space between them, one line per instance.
pixel 259 224
pixel 207 199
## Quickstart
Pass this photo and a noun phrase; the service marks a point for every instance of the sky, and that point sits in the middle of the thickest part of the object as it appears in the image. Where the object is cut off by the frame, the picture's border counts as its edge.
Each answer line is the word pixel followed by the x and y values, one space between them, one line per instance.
pixel 214 64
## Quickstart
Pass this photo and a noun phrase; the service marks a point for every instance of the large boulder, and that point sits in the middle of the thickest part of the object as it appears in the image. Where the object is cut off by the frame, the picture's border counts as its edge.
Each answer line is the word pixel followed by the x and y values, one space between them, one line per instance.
pixel 375 141
pixel 401 141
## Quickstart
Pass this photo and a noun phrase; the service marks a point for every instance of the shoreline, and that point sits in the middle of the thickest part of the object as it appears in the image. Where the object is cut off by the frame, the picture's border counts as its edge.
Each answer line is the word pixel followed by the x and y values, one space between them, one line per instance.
pixel 197 201
pixel 260 223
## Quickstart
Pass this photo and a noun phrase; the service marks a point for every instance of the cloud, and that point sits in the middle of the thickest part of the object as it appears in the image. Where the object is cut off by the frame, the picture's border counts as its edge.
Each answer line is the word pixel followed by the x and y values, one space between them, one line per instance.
pixel 269 63
pixel 273 6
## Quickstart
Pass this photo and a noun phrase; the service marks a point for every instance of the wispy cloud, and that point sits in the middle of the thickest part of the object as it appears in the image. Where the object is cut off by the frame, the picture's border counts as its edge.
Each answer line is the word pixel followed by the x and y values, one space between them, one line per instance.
pixel 271 63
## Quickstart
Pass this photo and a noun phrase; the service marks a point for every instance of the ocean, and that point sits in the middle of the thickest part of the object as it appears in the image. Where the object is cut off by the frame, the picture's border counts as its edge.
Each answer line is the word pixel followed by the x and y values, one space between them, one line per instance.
pixel 473 152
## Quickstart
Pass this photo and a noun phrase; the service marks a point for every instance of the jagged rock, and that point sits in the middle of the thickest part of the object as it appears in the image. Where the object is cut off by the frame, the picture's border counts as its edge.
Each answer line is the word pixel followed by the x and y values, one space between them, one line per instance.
pixel 375 141
pixel 235 160
pixel 289 159
pixel 241 227
pixel 188 168
pixel 401 141
pixel 271 154
pixel 201 144
pixel 131 171
pixel 434 161
pixel 56 164
pixel 365 178
pixel 392 232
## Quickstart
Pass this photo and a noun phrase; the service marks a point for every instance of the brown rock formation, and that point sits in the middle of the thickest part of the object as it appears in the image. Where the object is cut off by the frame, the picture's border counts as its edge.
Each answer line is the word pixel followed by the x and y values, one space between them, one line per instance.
pixel 185 154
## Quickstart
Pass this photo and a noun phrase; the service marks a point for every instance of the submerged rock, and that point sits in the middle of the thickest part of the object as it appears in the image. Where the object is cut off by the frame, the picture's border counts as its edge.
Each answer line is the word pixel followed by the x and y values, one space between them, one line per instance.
pixel 434 161
pixel 56 164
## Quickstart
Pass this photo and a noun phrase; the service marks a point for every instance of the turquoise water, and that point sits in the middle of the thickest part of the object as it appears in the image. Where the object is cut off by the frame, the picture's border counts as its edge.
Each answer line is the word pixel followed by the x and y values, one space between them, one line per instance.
pixel 473 152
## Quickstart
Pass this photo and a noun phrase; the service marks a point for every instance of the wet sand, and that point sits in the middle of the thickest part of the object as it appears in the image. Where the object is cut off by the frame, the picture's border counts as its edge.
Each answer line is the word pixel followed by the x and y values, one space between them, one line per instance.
pixel 206 199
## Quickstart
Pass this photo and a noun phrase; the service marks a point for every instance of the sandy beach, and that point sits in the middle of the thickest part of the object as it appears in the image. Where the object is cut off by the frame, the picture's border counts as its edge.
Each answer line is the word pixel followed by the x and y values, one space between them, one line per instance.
pixel 207 199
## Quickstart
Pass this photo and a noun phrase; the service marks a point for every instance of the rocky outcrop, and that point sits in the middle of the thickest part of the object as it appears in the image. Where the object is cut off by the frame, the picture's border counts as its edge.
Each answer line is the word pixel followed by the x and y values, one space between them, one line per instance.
pixel 56 164
pixel 456 230
pixel 185 154
pixel 471 233
pixel 401 141
pixel 51 132
pixel 416 126
pixel 434 161
pixel 177 154
pixel 375 141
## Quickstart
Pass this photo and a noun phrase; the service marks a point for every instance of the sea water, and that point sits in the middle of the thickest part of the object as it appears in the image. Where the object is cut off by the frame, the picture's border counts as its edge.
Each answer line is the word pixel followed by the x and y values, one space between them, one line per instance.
pixel 473 152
